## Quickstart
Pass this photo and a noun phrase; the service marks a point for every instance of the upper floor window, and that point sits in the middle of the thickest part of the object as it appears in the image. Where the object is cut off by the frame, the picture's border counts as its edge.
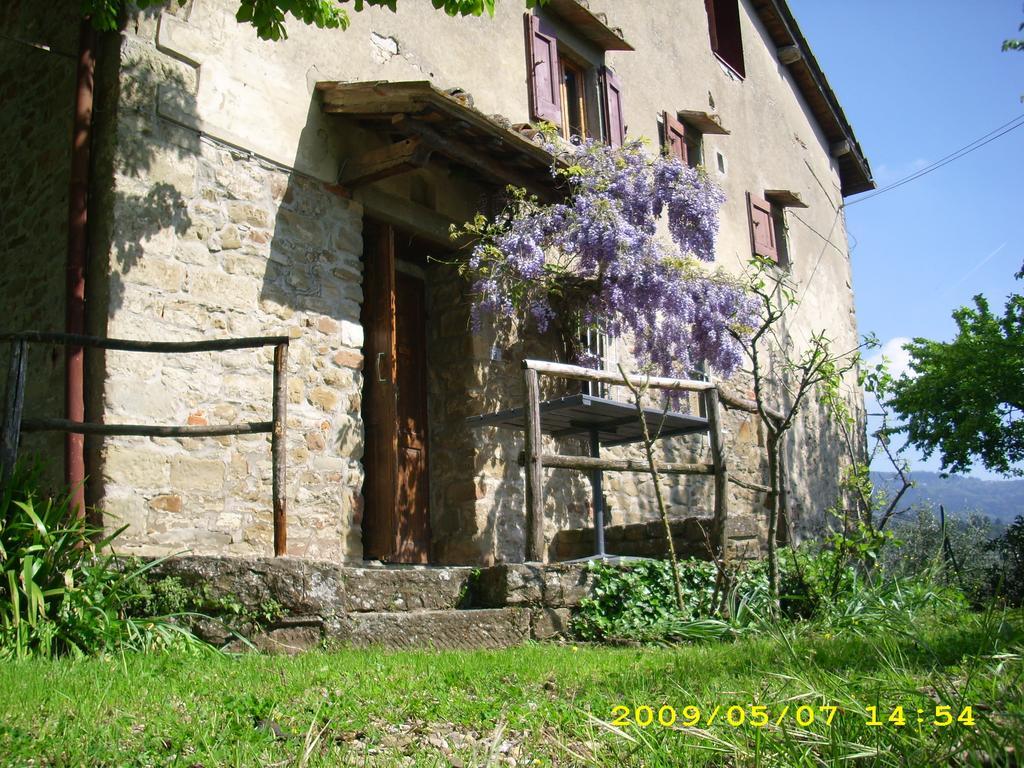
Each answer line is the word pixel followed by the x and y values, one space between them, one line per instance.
pixel 724 28
pixel 694 140
pixel 599 351
pixel 682 141
pixel 769 232
pixel 574 101
pixel 763 235
pixel 563 87
pixel 682 134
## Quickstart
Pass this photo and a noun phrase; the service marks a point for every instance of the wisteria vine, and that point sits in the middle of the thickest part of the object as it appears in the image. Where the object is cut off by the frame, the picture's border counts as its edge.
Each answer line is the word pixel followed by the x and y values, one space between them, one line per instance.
pixel 596 260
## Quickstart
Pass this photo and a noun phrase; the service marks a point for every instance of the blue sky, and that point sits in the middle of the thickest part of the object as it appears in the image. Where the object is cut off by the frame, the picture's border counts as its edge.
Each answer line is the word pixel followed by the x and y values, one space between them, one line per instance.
pixel 919 80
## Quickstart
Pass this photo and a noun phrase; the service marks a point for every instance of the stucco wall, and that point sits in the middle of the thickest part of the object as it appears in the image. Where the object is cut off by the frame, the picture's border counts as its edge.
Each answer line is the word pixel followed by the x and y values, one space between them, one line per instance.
pixel 224 223
pixel 38 45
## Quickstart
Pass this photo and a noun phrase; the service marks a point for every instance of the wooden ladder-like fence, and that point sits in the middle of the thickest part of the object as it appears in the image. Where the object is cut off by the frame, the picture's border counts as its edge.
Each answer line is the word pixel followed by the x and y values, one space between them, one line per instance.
pixel 535 460
pixel 14 423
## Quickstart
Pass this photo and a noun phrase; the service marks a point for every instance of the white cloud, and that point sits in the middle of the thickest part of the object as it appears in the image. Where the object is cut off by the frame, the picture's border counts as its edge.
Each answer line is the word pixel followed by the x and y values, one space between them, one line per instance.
pixel 886 174
pixel 899 358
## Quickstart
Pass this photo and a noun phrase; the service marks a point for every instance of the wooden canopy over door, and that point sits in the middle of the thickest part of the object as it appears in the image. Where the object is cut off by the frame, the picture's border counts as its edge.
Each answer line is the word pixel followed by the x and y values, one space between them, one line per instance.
pixel 396 523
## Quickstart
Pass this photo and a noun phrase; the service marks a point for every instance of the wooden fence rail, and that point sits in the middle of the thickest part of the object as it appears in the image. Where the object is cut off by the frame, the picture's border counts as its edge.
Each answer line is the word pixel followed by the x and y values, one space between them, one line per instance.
pixel 14 423
pixel 535 460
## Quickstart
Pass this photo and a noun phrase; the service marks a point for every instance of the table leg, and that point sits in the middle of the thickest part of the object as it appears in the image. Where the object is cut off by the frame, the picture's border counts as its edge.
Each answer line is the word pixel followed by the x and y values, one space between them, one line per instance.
pixel 596 482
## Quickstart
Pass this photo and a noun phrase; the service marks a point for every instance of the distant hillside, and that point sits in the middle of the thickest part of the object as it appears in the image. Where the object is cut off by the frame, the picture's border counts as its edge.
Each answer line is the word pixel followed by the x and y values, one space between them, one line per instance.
pixel 1002 500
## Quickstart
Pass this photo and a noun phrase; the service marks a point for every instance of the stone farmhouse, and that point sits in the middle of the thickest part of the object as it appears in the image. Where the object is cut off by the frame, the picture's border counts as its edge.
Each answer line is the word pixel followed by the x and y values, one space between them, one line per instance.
pixel 305 188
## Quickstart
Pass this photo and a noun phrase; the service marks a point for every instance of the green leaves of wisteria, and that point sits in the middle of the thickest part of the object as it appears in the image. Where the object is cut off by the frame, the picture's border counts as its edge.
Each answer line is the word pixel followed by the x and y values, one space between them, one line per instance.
pixel 269 16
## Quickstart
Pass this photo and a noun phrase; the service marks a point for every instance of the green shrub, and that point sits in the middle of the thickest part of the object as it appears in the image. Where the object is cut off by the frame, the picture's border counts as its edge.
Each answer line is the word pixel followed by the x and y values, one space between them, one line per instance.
pixel 967 563
pixel 62 591
pixel 818 573
pixel 636 601
pixel 1005 576
pixel 834 585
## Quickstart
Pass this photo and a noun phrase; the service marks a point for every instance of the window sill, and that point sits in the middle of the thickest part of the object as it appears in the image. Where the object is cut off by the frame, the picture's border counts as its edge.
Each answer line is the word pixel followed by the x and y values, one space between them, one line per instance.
pixel 730 71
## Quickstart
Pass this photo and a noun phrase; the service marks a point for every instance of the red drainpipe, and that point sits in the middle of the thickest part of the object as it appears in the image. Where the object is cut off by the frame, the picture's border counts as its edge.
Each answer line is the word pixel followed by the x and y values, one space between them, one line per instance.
pixel 78 243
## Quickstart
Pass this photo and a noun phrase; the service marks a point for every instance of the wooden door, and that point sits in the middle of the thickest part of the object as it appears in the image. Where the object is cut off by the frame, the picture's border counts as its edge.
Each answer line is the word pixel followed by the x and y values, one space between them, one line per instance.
pixel 395 495
pixel 410 339
pixel 379 415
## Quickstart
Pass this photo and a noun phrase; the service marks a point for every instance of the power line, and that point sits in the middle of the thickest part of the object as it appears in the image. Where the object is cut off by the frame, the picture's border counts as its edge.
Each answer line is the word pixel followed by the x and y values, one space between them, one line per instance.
pixel 977 144
pixel 821 254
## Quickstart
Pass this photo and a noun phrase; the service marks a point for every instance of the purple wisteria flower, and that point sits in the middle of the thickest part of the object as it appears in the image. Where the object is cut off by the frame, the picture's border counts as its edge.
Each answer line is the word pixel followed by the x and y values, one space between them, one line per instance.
pixel 597 255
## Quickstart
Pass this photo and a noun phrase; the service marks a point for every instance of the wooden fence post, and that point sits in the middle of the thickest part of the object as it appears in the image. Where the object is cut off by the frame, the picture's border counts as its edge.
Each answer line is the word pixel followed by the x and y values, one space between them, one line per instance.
pixel 718 460
pixel 278 450
pixel 13 404
pixel 534 470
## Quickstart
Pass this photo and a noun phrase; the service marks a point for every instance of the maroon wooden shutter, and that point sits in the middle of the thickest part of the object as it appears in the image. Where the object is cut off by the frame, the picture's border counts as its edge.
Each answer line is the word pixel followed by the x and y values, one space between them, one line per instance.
pixel 675 137
pixel 725 34
pixel 611 106
pixel 762 228
pixel 709 6
pixel 542 76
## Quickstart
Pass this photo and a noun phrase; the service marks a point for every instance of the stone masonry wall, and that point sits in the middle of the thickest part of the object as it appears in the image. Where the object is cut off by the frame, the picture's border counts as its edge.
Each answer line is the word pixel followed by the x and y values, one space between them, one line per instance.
pixel 38 45
pixel 208 241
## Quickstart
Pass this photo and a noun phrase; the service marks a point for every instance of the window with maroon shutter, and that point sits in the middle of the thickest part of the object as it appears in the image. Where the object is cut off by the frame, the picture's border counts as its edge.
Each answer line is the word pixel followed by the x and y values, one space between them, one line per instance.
pixel 675 137
pixel 762 228
pixel 611 107
pixel 724 31
pixel 544 75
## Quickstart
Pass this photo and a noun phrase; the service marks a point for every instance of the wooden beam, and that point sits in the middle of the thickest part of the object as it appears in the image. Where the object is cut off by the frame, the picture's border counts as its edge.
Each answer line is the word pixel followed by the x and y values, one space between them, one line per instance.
pixel 749 486
pixel 840 148
pixel 472 158
pixel 589 463
pixel 145 430
pixel 721 467
pixel 412 217
pixel 534 470
pixel 790 54
pixel 374 97
pixel 736 403
pixel 421 97
pixel 565 371
pixel 124 345
pixel 278 450
pixel 14 402
pixel 376 164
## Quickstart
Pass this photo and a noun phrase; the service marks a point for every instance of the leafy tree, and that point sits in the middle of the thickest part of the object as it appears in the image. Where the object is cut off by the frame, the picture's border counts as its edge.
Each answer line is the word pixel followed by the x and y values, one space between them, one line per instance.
pixel 966 399
pixel 875 506
pixel 1014 45
pixel 956 551
pixel 784 380
pixel 268 16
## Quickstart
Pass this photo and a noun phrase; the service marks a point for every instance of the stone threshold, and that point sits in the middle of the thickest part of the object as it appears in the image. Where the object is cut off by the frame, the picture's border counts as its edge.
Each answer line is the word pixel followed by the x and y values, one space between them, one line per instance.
pixel 321 604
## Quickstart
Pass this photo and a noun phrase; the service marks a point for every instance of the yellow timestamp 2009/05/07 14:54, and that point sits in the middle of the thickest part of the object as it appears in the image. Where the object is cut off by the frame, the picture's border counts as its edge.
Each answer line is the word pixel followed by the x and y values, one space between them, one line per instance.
pixel 803 715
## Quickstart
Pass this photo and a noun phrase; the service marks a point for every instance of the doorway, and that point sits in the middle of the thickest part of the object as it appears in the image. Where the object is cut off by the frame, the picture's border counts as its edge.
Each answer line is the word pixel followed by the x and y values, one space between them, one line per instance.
pixel 396 516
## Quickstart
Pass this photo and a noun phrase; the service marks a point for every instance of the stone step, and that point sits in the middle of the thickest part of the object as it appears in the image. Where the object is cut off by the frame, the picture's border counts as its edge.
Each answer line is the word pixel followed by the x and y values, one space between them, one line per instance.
pixel 442 630
pixel 309 587
pixel 318 604
pixel 429 630
pixel 553 585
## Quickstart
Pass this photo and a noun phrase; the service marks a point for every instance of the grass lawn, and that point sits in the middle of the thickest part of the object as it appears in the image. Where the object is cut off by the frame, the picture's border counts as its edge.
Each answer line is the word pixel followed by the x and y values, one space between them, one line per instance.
pixel 536 705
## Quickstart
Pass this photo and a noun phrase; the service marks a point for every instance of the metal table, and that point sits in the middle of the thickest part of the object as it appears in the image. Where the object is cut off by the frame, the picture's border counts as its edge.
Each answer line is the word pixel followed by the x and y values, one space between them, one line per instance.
pixel 605 422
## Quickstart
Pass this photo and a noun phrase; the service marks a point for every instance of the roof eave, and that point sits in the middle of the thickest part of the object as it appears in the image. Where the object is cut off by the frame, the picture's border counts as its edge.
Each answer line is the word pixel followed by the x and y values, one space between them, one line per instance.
pixel 854 169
